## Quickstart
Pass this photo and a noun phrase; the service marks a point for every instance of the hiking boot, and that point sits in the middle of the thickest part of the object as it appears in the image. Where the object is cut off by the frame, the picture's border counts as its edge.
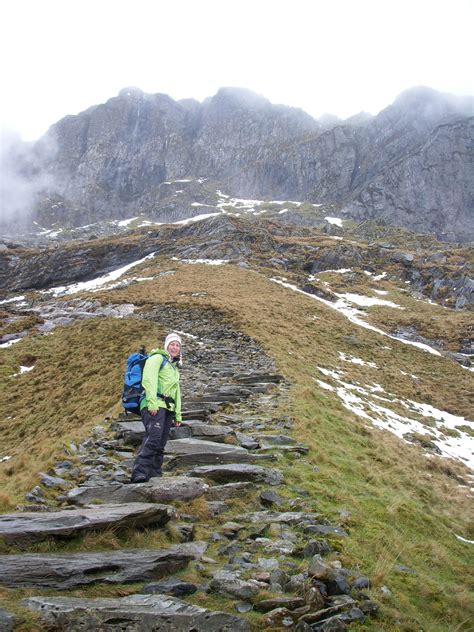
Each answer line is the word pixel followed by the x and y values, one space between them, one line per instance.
pixel 140 479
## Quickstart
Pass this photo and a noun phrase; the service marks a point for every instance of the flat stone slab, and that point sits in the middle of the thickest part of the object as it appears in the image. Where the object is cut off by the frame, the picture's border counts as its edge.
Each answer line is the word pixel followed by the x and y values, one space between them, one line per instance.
pixel 156 490
pixel 21 528
pixel 258 378
pixel 234 472
pixel 229 490
pixel 286 517
pixel 136 613
pixel 63 571
pixel 132 432
pixel 269 439
pixel 229 583
pixel 216 458
pixel 197 446
pixel 199 430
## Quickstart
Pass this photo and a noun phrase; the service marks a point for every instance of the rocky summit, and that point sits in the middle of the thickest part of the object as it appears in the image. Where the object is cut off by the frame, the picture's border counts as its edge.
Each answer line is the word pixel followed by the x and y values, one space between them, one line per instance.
pixel 321 478
pixel 411 165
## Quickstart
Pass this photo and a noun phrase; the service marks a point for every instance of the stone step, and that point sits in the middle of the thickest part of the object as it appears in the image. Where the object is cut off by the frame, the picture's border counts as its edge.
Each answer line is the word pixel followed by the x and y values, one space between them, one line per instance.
pixel 257 378
pixel 234 472
pixel 199 430
pixel 229 490
pixel 23 528
pixel 156 490
pixel 135 613
pixel 63 571
pixel 132 432
pixel 198 446
pixel 186 460
pixel 271 439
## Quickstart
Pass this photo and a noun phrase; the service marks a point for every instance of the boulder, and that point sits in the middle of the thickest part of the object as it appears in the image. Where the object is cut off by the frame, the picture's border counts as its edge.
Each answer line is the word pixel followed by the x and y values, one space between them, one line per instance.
pixel 136 613
pixel 22 528
pixel 63 571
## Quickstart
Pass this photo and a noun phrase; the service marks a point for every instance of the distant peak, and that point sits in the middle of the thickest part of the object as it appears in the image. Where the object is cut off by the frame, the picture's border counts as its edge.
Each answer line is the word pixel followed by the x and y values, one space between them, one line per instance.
pixel 131 91
pixel 240 96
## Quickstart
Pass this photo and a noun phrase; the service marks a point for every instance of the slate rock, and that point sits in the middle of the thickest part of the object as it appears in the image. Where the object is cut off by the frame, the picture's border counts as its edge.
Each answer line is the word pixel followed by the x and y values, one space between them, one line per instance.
pixel 198 446
pixel 291 603
pixel 27 527
pixel 337 584
pixel 170 586
pixel 216 458
pixel 361 583
pixel 324 529
pixel 314 547
pixel 319 569
pixel 136 613
pixel 164 489
pixel 229 490
pixel 63 571
pixel 278 618
pixel 269 497
pixel 229 583
pixel 7 621
pixel 53 482
pixel 286 517
pixel 238 472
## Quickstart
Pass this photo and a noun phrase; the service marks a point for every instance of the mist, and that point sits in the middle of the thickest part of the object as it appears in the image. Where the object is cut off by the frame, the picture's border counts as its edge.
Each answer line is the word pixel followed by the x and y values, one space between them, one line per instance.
pixel 23 179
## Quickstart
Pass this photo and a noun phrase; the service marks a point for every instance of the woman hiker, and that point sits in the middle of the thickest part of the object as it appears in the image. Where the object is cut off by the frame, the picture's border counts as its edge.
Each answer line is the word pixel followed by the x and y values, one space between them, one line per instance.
pixel 160 407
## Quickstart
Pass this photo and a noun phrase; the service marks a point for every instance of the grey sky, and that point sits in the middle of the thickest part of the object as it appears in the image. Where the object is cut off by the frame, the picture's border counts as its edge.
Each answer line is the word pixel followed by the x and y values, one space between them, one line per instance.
pixel 340 56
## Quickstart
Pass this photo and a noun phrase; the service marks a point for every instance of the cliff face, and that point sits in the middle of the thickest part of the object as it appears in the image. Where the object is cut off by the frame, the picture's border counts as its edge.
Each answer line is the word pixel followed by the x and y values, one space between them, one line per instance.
pixel 410 165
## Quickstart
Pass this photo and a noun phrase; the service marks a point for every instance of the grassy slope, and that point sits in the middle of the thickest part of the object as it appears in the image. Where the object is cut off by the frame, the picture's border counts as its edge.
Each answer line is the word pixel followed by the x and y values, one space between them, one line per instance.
pixel 403 507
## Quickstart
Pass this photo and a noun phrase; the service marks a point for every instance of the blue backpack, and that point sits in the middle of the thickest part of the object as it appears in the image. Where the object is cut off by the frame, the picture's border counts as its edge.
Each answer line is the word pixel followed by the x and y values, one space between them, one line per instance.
pixel 132 384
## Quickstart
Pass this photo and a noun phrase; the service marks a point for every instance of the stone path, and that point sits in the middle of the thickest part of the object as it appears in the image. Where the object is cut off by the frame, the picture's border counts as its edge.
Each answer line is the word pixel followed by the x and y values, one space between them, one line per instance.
pixel 229 449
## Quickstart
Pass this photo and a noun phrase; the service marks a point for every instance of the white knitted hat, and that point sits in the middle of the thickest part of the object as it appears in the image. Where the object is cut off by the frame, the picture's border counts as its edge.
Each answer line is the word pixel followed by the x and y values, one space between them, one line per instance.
pixel 174 338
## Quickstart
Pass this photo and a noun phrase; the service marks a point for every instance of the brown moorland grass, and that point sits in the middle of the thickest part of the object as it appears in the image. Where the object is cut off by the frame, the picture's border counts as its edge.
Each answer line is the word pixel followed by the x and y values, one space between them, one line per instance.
pixel 403 507
pixel 76 379
pixel 399 500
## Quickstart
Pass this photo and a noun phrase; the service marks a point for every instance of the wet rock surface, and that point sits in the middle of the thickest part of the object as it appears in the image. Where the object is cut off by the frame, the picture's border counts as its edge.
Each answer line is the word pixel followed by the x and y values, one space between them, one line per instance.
pixel 137 612
pixel 22 528
pixel 110 567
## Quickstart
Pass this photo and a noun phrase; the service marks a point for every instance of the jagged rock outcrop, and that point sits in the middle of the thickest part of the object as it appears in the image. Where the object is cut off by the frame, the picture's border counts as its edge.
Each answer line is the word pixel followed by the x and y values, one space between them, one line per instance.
pixel 410 165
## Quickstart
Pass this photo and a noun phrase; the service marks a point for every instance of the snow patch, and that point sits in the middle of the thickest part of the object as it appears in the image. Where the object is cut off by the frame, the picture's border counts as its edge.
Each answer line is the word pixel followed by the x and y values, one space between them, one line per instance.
pixel 196 218
pixel 94 284
pixel 459 537
pixel 360 400
pixel 12 300
pixel 355 316
pixel 126 222
pixel 334 220
pixel 367 301
pixel 4 345
pixel 209 262
pixel 353 360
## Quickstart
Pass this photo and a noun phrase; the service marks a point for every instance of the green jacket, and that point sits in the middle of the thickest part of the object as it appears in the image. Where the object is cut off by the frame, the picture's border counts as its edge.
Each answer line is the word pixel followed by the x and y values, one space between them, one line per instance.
pixel 164 380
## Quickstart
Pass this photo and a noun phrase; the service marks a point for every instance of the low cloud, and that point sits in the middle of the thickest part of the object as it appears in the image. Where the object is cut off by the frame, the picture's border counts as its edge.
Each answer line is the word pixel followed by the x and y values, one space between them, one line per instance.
pixel 22 179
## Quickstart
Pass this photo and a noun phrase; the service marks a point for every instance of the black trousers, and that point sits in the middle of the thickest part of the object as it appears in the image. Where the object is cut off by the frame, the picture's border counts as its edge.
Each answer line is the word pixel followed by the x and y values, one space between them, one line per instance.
pixel 150 455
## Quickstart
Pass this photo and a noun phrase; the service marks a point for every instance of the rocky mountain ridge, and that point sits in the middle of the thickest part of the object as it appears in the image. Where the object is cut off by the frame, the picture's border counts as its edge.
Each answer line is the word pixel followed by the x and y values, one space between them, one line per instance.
pixel 410 165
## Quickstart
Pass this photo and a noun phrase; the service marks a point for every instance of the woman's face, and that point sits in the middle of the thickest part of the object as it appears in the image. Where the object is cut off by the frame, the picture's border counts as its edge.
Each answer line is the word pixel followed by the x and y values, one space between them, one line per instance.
pixel 174 349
